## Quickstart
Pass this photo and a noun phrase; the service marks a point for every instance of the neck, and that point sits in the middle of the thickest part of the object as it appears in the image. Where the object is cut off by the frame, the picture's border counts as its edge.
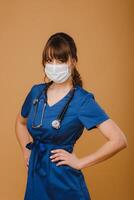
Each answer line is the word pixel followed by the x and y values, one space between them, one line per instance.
pixel 65 85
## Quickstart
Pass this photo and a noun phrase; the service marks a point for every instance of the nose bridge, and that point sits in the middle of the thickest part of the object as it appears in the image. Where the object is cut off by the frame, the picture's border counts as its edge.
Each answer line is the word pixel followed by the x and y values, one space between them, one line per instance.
pixel 54 61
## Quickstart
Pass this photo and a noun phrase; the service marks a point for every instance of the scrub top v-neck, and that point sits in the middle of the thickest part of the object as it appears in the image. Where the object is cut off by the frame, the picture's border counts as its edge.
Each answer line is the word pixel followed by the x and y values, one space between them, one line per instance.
pixel 58 101
pixel 45 180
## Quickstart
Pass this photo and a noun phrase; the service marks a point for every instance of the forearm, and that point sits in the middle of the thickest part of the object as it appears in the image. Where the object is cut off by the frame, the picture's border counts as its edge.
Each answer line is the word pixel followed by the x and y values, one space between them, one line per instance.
pixel 104 152
pixel 22 135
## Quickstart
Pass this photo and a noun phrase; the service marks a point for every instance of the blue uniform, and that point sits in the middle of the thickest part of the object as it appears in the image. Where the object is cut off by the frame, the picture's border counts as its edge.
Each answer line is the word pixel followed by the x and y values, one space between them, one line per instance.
pixel 45 180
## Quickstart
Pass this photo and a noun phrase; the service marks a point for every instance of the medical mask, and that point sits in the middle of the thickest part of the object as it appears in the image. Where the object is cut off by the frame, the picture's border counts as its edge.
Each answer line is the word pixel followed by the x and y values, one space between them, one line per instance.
pixel 57 72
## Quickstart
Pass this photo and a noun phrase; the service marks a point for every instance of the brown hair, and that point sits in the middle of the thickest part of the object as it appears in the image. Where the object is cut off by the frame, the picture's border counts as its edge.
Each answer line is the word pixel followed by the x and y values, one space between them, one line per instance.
pixel 62 46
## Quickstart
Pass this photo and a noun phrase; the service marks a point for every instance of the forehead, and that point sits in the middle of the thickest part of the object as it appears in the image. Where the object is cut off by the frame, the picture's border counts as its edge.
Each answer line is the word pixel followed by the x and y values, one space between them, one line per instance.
pixel 53 54
pixel 58 51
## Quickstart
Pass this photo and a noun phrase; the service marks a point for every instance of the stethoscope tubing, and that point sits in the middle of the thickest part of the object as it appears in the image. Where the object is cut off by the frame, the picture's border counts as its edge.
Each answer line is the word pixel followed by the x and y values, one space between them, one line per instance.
pixel 56 123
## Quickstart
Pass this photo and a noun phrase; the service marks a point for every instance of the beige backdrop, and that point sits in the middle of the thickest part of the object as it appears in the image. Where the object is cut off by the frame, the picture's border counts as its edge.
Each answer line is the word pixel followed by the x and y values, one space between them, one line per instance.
pixel 103 34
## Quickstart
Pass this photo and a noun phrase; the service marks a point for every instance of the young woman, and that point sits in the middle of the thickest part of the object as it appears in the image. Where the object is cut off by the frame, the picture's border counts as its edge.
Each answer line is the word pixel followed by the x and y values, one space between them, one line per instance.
pixel 52 118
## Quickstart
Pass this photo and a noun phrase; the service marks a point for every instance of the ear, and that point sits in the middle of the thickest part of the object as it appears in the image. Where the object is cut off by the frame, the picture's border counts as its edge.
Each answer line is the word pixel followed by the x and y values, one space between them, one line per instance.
pixel 73 62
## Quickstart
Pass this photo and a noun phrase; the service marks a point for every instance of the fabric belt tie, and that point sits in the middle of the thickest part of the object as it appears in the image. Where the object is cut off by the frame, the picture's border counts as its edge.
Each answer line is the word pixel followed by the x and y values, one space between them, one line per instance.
pixel 41 155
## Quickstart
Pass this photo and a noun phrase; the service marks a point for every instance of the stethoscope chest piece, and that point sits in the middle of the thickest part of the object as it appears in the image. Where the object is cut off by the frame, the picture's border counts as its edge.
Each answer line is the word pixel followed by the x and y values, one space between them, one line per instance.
pixel 56 123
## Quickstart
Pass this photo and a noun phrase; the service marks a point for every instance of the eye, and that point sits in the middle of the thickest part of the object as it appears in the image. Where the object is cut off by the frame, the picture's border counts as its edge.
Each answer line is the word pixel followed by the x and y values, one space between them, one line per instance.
pixel 61 61
pixel 48 60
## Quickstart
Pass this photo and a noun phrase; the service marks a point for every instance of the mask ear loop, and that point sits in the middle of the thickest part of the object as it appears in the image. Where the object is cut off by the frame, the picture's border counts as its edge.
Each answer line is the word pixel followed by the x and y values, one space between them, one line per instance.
pixel 56 123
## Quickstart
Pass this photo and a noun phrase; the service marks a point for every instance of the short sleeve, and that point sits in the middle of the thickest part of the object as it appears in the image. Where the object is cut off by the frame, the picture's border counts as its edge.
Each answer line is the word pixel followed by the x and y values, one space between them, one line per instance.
pixel 26 106
pixel 91 113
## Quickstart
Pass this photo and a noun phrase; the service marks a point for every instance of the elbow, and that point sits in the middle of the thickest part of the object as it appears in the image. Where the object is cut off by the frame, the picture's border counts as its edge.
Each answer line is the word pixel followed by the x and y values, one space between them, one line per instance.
pixel 124 141
pixel 124 144
pixel 121 142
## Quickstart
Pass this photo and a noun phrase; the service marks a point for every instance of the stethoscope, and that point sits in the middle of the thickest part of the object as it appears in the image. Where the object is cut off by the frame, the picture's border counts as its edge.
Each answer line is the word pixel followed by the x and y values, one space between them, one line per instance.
pixel 55 123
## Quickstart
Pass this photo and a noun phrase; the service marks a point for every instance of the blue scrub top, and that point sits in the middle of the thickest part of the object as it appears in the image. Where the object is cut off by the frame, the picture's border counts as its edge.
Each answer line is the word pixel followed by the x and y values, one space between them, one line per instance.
pixel 46 181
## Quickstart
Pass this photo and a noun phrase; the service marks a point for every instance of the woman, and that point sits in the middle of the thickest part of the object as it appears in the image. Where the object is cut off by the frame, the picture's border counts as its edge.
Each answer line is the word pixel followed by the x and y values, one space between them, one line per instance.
pixel 55 114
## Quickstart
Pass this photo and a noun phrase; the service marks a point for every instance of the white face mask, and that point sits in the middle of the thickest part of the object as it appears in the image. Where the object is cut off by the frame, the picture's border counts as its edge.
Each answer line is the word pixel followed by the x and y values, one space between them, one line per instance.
pixel 57 72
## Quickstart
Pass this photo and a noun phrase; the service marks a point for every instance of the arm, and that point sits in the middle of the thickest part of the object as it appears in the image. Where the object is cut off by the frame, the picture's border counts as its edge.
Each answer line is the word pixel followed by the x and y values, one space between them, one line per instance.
pixel 116 142
pixel 22 135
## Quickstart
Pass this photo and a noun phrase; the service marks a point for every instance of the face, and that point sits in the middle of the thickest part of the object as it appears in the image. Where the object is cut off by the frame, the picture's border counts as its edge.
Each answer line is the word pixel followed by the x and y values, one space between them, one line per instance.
pixel 64 76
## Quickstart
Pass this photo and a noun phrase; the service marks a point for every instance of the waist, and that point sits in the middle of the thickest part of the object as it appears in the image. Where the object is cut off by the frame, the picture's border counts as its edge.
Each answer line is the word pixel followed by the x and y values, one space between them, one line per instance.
pixel 39 161
pixel 46 144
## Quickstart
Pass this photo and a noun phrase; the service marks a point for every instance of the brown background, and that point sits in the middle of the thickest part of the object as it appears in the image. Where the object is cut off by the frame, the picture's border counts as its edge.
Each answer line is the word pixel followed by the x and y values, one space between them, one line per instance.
pixel 103 34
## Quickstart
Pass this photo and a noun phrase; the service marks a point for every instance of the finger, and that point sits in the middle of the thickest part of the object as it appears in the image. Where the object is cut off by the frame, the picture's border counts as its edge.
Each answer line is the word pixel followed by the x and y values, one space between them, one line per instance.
pixel 61 163
pixel 26 168
pixel 57 154
pixel 58 158
pixel 58 151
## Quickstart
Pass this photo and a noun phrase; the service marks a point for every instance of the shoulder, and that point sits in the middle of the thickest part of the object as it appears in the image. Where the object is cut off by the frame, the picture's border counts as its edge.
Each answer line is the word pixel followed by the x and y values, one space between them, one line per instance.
pixel 84 94
pixel 38 86
pixel 36 89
